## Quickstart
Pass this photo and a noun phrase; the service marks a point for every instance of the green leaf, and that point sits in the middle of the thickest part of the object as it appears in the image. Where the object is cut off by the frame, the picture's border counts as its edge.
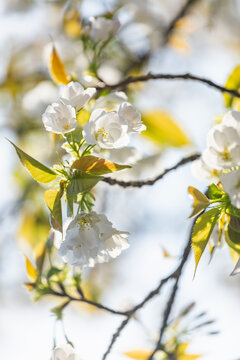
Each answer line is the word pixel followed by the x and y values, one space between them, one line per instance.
pixel 202 231
pixel 70 201
pixel 96 166
pixel 163 130
pixel 232 210
pixel 53 201
pixel 81 182
pixel 53 271
pixel 214 192
pixel 233 233
pixel 39 172
pixel 200 201
pixel 233 83
pixel 232 238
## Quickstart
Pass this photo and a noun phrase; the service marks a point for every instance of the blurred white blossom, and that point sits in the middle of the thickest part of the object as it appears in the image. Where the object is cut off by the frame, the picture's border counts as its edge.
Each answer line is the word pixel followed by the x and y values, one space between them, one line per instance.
pixel 231 184
pixel 59 118
pixel 91 239
pixel 111 101
pixel 232 118
pixel 74 94
pixel 64 352
pixel 106 130
pixel 102 29
pixel 202 171
pixel 36 99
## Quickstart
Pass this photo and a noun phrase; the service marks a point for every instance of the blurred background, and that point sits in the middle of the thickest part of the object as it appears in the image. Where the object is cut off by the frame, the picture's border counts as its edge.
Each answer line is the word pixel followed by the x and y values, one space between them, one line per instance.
pixel 205 41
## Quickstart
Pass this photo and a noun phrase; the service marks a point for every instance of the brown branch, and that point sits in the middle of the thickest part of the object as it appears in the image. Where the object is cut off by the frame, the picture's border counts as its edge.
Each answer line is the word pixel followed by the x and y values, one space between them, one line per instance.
pixel 140 183
pixel 185 76
pixel 173 293
pixel 180 14
pixel 175 275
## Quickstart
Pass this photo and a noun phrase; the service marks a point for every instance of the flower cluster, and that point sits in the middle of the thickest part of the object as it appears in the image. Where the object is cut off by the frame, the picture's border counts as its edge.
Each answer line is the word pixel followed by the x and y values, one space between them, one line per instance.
pixel 220 165
pixel 221 158
pixel 90 238
pixel 60 117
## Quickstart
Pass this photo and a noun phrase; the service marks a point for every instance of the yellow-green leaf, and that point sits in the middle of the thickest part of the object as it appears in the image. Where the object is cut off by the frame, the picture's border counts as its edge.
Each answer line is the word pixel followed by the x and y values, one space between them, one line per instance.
pixel 181 355
pixel 202 231
pixel 96 166
pixel 138 354
pixel 57 69
pixel 31 271
pixel 200 201
pixel 53 201
pixel 82 182
pixel 163 130
pixel 39 172
pixel 233 83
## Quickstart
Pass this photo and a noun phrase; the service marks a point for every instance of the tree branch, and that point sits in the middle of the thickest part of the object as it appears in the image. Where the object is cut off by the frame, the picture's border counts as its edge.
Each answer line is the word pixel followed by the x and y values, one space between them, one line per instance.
pixel 175 275
pixel 140 183
pixel 173 293
pixel 180 14
pixel 185 76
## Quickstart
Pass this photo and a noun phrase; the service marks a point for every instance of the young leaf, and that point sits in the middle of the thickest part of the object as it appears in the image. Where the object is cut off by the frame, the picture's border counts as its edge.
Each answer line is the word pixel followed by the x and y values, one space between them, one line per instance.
pixel 31 271
pixel 214 192
pixel 233 83
pixel 200 201
pixel 96 166
pixel 138 354
pixel 40 257
pixel 39 172
pixel 82 182
pixel 53 201
pixel 181 353
pixel 202 231
pixel 57 69
pixel 163 130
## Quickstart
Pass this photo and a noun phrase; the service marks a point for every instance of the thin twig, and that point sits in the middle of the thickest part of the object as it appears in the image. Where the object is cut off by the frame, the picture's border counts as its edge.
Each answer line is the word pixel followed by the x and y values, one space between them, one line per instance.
pixel 173 293
pixel 180 14
pixel 186 76
pixel 140 183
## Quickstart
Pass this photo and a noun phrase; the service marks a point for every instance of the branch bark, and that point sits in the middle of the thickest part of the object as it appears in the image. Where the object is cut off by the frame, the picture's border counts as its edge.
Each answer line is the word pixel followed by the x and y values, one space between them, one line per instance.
pixel 140 183
pixel 186 76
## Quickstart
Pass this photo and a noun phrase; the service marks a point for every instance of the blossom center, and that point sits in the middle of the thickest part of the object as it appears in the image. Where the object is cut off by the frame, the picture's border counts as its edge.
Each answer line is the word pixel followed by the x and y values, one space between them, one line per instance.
pixel 85 222
pixel 102 132
pixel 226 155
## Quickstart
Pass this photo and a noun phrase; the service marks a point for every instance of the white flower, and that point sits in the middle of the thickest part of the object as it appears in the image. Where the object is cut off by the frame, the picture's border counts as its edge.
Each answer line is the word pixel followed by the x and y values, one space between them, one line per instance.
pixel 64 352
pixel 75 95
pixel 111 101
pixel 223 147
pixel 59 118
pixel 202 171
pixel 131 117
pixel 90 239
pixel 102 29
pixel 232 118
pixel 106 130
pixel 231 184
